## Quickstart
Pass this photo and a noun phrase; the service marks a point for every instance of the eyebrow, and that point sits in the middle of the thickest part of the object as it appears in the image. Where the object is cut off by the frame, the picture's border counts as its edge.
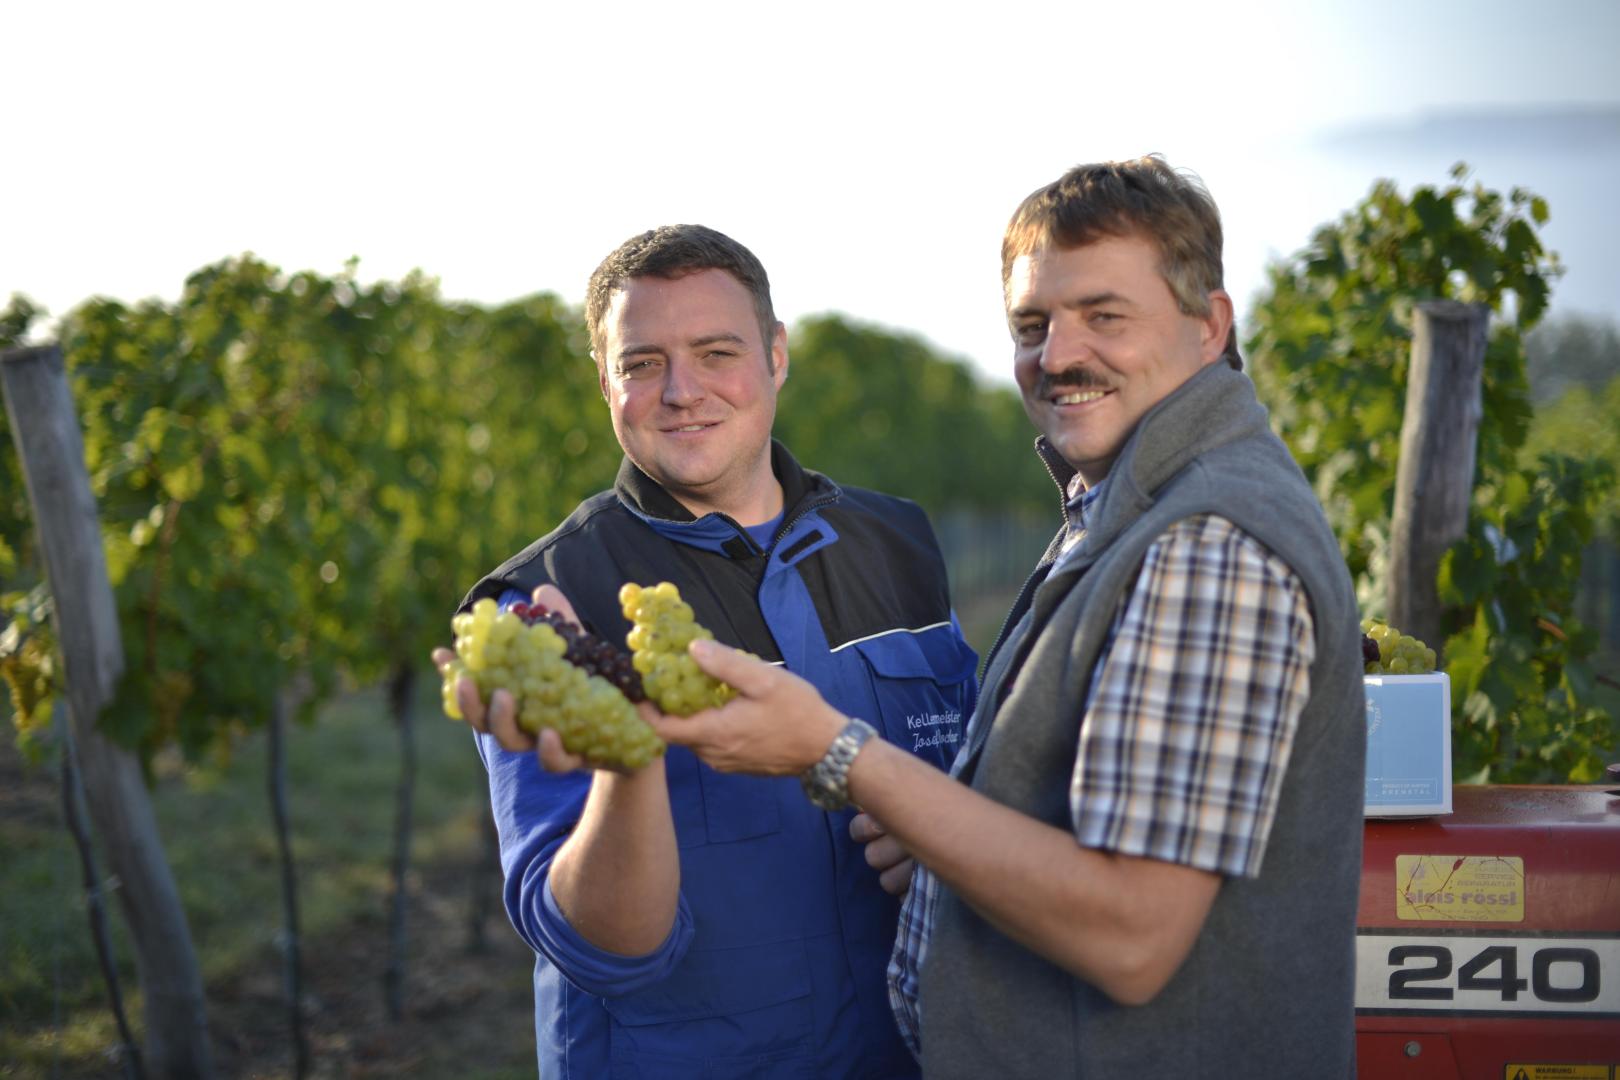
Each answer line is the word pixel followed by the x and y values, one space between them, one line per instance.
pixel 1097 300
pixel 713 339
pixel 1090 300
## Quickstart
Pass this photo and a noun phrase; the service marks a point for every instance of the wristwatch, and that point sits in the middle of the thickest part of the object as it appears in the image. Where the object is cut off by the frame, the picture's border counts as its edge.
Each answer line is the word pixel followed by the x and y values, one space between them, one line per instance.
pixel 826 783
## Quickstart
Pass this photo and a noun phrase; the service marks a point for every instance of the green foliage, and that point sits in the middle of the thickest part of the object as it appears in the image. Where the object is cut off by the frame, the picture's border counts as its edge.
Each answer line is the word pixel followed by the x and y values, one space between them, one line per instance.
pixel 1331 343
pixel 297 475
pixel 18 316
pixel 28 660
pixel 15 532
pixel 1585 423
pixel 1521 672
pixel 28 666
pixel 884 410
pixel 1332 337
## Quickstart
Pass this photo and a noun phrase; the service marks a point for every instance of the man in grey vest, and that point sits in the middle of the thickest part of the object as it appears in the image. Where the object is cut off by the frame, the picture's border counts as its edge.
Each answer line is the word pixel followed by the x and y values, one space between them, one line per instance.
pixel 1146 859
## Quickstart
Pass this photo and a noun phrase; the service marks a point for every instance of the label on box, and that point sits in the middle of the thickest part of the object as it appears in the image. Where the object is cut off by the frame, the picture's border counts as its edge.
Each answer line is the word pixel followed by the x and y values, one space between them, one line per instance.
pixel 1408 745
pixel 1459 888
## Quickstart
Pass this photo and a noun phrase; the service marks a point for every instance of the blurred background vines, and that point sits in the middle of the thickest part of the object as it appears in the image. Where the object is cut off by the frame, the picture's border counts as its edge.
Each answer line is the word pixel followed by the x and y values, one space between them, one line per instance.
pixel 1534 698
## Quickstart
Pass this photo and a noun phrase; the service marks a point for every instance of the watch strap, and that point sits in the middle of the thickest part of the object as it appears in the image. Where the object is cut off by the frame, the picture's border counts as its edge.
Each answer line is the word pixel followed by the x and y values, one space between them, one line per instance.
pixel 826 783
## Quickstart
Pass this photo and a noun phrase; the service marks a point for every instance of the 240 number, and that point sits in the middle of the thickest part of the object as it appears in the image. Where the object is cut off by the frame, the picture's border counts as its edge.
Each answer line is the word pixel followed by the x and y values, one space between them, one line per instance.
pixel 1412 984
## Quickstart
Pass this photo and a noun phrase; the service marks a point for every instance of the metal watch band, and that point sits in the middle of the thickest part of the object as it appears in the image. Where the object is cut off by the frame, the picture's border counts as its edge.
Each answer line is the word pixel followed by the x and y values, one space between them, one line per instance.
pixel 826 783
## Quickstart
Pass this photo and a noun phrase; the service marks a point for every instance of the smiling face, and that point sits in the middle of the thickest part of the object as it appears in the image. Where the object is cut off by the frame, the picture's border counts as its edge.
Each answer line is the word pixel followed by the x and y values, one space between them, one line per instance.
pixel 692 387
pixel 1098 340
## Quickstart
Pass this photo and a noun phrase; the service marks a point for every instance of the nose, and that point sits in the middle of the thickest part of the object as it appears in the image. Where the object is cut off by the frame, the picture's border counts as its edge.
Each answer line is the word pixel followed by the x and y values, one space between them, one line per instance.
pixel 1065 346
pixel 682 385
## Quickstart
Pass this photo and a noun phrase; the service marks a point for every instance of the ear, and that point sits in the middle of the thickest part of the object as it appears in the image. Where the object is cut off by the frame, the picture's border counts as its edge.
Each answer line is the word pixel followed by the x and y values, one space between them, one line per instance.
pixel 601 374
pixel 1215 327
pixel 779 355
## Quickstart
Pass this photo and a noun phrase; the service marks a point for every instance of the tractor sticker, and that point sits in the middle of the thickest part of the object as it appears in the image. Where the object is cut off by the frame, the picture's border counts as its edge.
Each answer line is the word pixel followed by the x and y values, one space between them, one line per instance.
pixel 1459 888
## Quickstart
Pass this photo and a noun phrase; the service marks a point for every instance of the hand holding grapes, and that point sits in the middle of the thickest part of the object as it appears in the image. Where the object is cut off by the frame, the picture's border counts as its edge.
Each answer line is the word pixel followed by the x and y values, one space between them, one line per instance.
pixel 776 724
pixel 575 691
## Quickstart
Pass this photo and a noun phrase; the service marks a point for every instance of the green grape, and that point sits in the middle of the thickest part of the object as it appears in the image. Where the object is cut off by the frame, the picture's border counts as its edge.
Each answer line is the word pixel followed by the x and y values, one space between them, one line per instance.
pixel 663 628
pixel 28 671
pixel 453 671
pixel 1397 653
pixel 504 651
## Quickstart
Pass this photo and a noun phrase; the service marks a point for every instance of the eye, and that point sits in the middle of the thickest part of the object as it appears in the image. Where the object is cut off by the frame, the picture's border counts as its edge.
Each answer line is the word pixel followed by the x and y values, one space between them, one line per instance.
pixel 1103 318
pixel 1029 333
pixel 635 369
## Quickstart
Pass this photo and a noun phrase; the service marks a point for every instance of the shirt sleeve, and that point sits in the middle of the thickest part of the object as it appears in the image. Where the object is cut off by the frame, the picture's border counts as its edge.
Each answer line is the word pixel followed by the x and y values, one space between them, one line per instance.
pixel 1194 704
pixel 535 811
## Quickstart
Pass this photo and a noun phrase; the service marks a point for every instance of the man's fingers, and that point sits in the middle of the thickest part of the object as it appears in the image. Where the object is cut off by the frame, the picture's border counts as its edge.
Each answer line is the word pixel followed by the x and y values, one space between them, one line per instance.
pixel 441 657
pixel 885 852
pixel 678 730
pixel 501 721
pixel 553 758
pixel 554 600
pixel 864 828
pixel 750 677
pixel 896 880
pixel 472 706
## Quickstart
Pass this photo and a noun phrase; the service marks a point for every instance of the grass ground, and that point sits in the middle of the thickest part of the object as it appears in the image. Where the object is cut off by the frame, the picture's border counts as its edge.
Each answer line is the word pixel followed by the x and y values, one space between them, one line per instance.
pixel 468 1011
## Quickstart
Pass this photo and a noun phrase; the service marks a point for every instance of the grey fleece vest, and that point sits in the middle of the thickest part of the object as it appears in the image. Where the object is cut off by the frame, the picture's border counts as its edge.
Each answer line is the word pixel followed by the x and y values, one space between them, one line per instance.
pixel 1268 990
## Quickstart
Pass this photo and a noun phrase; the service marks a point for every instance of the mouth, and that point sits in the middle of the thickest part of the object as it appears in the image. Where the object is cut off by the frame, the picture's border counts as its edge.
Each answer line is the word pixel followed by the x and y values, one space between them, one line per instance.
pixel 688 429
pixel 1078 397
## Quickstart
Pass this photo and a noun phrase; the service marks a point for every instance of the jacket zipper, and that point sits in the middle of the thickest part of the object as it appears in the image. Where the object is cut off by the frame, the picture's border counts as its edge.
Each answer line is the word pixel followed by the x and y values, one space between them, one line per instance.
pixel 1018 604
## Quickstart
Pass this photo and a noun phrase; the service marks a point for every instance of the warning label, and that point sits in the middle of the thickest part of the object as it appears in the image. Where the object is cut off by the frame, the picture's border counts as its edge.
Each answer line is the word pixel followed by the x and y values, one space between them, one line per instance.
pixel 1460 888
pixel 1556 1072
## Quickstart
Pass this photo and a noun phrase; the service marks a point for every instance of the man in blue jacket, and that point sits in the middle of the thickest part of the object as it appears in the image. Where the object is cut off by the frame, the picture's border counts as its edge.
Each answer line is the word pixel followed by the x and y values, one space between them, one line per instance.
pixel 689 923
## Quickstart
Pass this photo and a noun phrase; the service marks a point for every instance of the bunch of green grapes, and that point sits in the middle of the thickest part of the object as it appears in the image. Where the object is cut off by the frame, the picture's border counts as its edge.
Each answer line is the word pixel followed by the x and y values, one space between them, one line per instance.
pixel 1387 651
pixel 526 656
pixel 663 628
pixel 28 671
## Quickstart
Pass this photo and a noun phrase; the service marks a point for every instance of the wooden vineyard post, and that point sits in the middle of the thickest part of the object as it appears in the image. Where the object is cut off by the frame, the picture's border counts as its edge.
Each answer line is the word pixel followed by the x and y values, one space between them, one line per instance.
pixel 1434 481
pixel 45 427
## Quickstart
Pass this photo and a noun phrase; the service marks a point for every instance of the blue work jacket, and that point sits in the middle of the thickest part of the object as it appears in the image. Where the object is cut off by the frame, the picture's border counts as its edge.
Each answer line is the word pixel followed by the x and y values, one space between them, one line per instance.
pixel 775 964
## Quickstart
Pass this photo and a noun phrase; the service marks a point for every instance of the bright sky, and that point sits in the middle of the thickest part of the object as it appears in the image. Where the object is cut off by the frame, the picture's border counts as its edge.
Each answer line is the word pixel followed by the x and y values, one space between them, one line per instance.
pixel 869 153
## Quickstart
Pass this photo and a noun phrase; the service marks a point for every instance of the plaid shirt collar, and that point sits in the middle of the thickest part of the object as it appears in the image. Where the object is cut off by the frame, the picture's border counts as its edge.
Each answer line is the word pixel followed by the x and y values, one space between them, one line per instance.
pixel 1078 503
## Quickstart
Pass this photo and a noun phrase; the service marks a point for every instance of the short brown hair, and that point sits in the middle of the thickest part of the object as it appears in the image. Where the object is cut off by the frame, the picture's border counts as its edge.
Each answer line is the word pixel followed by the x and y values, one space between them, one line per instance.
pixel 673 251
pixel 1143 197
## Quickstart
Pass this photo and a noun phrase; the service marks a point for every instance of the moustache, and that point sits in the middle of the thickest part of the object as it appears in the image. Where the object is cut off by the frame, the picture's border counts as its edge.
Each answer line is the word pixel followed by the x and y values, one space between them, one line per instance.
pixel 1075 378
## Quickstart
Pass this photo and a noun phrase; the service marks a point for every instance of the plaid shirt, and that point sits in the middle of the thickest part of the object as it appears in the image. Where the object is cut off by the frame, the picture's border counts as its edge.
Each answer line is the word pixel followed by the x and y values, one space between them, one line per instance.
pixel 1188 722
